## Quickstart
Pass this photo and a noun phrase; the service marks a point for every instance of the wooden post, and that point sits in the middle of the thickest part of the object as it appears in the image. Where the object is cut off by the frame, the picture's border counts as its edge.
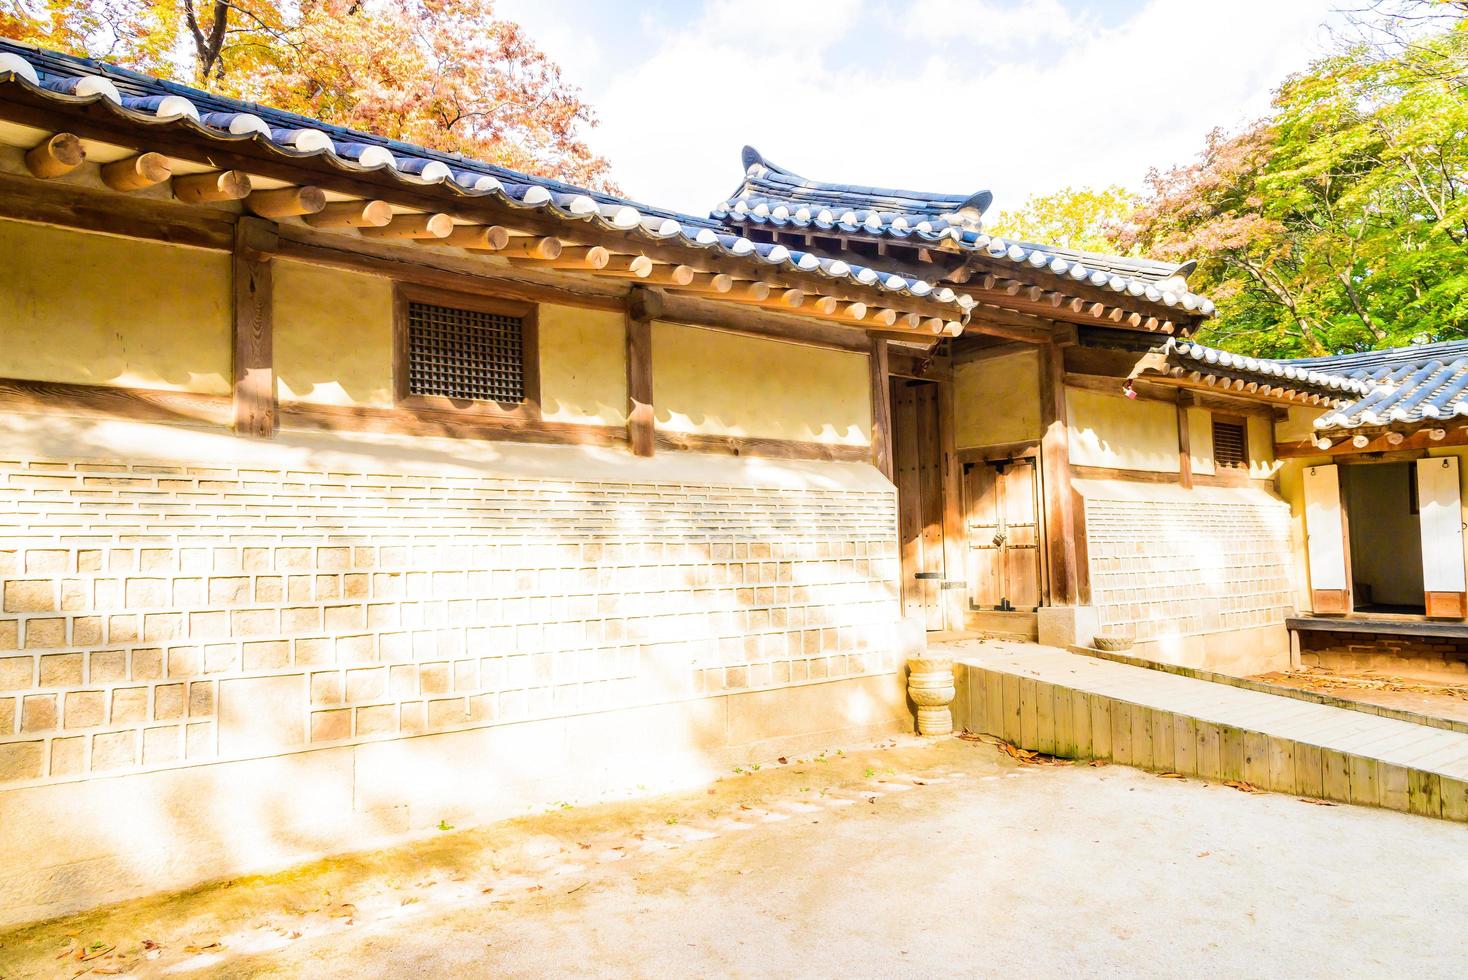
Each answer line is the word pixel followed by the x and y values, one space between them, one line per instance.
pixel 254 367
pixel 643 306
pixel 1184 441
pixel 955 545
pixel 1060 522
pixel 881 409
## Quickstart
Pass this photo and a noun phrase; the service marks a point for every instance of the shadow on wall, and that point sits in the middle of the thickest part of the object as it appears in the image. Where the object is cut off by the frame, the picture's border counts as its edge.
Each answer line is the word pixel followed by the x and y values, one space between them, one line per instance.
pixel 300 629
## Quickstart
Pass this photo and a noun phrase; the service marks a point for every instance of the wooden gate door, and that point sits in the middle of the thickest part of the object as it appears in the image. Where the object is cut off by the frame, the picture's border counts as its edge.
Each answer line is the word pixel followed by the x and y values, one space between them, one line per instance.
pixel 917 460
pixel 1003 534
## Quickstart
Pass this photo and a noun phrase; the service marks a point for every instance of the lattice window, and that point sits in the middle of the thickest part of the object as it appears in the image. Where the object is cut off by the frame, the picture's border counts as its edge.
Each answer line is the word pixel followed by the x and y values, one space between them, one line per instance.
pixel 1230 442
pixel 471 354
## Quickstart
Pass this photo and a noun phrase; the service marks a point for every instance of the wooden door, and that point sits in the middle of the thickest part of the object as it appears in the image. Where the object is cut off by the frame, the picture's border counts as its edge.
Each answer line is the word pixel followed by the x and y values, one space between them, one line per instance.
pixel 1440 512
pixel 917 471
pixel 1003 534
pixel 1325 541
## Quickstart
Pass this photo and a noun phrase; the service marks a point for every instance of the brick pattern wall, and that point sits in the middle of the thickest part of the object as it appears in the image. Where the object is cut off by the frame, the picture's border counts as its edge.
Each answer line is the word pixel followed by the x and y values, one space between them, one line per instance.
pixel 1173 568
pixel 1385 654
pixel 152 616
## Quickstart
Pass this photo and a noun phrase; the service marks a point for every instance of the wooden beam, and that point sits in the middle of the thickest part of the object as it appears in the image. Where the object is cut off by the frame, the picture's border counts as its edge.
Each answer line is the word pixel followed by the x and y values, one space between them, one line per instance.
pixel 1343 442
pixel 532 248
pixel 55 156
pixel 582 258
pixel 657 275
pixel 351 214
pixel 225 185
pixel 254 363
pixel 1060 522
pixel 954 591
pixel 68 205
pixel 287 202
pixel 642 307
pixel 136 173
pixel 484 238
pixel 1184 441
pixel 881 399
pixel 411 227
pixel 766 448
pixel 795 329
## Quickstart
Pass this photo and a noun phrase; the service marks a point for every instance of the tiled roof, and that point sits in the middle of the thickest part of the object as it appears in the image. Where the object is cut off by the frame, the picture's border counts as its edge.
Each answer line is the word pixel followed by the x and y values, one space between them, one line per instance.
pixel 776 198
pixel 151 101
pixel 1411 385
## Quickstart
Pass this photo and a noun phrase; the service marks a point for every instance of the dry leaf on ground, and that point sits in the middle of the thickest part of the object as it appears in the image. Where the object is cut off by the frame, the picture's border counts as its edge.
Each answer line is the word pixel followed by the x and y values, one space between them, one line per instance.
pixel 1241 786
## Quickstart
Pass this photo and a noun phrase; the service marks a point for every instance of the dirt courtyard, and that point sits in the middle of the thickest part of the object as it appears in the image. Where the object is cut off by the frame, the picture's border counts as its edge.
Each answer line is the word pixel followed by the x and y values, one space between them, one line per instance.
pixel 910 859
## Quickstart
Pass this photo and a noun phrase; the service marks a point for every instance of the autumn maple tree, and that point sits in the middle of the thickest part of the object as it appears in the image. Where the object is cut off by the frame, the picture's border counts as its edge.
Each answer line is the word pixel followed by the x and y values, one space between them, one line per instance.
pixel 446 74
pixel 1083 218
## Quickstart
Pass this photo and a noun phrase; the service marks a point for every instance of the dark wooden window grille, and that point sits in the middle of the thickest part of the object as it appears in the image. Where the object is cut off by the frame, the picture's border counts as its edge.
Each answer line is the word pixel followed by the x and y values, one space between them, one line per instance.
pixel 1230 443
pixel 465 354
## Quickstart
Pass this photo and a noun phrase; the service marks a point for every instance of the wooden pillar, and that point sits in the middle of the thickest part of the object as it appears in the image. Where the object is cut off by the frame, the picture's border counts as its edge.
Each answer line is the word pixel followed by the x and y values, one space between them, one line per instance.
pixel 881 408
pixel 1184 441
pixel 1060 521
pixel 643 306
pixel 254 359
pixel 955 544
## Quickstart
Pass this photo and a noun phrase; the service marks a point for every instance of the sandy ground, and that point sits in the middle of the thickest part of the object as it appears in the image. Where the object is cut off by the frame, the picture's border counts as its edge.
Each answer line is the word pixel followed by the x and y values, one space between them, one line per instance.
pixel 914 859
pixel 1438 697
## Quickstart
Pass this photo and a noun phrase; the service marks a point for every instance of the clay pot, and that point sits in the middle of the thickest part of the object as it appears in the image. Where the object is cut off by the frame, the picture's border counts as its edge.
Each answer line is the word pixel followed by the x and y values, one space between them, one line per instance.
pixel 930 685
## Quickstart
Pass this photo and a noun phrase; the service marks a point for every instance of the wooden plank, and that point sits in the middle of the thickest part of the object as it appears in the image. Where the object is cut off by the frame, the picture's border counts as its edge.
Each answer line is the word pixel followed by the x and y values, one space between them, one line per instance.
pixel 1309 771
pixel 68 205
pixel 1142 737
pixel 1365 774
pixel 253 331
pixel 446 425
pixel 1029 713
pixel 1044 718
pixel 1164 744
pixel 881 405
pixel 1080 705
pixel 1210 751
pixel 1122 749
pixel 1256 759
pixel 1335 769
pixel 1282 765
pixel 1185 744
pixel 763 448
pixel 1065 737
pixel 1424 793
pixel 1394 785
pixel 1231 757
pixel 1012 732
pixel 1454 799
pixel 994 697
pixel 105 401
pixel 1101 727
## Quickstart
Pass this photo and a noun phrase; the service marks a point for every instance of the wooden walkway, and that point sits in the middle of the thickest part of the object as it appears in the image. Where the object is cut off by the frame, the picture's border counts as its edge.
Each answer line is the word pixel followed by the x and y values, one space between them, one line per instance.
pixel 1074 706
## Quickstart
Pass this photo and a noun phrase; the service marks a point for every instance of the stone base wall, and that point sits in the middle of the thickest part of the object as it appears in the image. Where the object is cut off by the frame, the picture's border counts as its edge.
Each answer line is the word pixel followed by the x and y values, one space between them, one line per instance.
pixel 187 614
pixel 1171 566
pixel 1441 658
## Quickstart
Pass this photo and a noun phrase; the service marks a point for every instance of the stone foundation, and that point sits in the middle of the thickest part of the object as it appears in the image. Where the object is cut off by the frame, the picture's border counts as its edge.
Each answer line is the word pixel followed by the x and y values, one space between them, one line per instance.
pixel 1425 656
pixel 219 655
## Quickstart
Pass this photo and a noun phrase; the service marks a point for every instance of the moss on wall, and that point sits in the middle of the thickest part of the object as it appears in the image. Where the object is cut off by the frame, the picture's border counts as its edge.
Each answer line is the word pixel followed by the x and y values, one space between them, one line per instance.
pixel 91 309
pixel 333 336
pixel 710 382
pixel 996 400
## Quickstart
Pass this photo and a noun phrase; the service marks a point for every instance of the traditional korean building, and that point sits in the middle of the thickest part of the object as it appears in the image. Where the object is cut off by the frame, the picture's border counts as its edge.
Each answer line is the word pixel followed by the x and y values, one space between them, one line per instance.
pixel 348 487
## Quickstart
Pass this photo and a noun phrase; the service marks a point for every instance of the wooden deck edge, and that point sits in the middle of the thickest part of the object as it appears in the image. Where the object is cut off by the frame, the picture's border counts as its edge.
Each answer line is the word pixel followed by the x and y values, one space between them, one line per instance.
pixel 1247 684
pixel 1074 724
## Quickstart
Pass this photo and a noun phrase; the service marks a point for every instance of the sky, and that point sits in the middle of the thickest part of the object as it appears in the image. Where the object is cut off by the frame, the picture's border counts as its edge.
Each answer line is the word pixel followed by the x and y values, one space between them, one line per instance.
pixel 1019 97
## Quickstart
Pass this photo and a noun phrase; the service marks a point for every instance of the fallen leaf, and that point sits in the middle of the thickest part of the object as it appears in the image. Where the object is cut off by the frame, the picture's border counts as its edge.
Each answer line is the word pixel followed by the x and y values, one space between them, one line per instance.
pixel 203 948
pixel 1098 763
pixel 584 847
pixel 1172 775
pixel 1203 854
pixel 1241 786
pixel 95 950
pixel 784 761
pixel 1316 801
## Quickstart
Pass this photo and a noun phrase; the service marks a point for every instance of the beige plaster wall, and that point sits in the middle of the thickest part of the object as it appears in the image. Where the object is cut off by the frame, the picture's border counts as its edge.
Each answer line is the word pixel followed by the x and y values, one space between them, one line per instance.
pixel 996 400
pixel 583 365
pixel 710 382
pixel 92 309
pixel 1122 433
pixel 1200 440
pixel 333 336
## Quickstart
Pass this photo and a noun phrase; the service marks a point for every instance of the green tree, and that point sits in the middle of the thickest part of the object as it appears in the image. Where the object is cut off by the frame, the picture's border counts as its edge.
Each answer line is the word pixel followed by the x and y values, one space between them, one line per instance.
pixel 1082 218
pixel 1340 223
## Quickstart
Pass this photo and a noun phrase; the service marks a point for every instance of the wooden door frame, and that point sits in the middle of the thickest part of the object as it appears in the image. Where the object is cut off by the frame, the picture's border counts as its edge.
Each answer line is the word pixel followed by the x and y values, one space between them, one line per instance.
pixel 953 587
pixel 1010 453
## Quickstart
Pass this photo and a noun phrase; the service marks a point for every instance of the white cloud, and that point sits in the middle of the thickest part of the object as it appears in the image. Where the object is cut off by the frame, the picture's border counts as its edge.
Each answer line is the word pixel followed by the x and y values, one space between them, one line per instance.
pixel 945 95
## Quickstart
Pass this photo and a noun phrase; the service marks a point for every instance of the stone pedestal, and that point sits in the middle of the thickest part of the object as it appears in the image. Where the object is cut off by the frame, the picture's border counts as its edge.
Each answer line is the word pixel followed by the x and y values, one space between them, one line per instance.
pixel 930 685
